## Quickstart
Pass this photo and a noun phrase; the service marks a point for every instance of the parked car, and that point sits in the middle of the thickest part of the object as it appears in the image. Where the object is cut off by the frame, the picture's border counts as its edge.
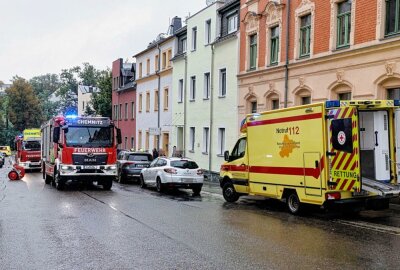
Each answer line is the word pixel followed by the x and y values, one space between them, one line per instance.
pixel 173 173
pixel 130 164
pixel 6 150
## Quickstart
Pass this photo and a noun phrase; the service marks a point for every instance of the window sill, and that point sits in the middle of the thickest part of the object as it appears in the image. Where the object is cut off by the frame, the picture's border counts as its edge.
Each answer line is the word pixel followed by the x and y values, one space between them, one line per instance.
pixel 273 64
pixel 165 110
pixel 341 48
pixel 192 100
pixel 304 56
pixel 251 69
pixel 191 151
pixel 222 96
pixel 205 153
pixel 179 102
pixel 392 35
pixel 220 155
pixel 206 98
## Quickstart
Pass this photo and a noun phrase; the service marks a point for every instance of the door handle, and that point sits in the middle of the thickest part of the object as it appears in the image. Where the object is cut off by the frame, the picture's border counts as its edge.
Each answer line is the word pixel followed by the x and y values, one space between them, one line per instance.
pixel 316 164
pixel 376 138
pixel 242 164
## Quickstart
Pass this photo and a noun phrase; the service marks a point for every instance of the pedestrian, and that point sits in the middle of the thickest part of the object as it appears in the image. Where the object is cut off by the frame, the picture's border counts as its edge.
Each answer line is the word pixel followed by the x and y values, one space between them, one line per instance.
pixel 155 153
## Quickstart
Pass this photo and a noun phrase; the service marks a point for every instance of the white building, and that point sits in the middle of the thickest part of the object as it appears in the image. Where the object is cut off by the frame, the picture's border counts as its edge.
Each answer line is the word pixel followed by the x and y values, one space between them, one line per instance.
pixel 205 84
pixel 85 97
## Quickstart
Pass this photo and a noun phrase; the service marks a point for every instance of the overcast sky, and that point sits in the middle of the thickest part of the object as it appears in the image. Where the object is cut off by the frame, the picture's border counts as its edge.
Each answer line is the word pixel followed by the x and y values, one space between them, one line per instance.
pixel 45 36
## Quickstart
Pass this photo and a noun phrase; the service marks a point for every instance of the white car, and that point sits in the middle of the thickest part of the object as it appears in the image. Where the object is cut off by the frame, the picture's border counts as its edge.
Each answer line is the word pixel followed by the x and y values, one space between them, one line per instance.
pixel 173 172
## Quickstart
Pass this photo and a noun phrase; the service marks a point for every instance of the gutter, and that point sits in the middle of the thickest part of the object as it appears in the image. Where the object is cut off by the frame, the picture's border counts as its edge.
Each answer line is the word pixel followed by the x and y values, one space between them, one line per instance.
pixel 158 95
pixel 211 107
pixel 287 53
pixel 185 108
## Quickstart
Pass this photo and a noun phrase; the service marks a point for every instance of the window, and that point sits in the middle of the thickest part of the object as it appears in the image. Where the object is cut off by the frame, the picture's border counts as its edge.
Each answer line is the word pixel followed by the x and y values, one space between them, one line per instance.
pixel 274 104
pixel 344 96
pixel 120 111
pixel 253 51
pixel 148 67
pixel 239 150
pixel 140 102
pixel 232 23
pixel 147 141
pixel 221 141
pixel 164 60
pixel 140 70
pixel 132 142
pixel 222 82
pixel 192 138
pixel 132 111
pixel 184 45
pixel 274 45
pixel 156 97
pixel 305 35
pixel 392 24
pixel 206 134
pixel 393 93
pixel 194 38
pixel 169 57
pixel 206 94
pixel 305 100
pixel 126 111
pixel 208 32
pixel 343 24
pixel 115 112
pixel 147 101
pixel 83 105
pixel 180 91
pixel 193 88
pixel 253 106
pixel 166 99
pixel 156 60
pixel 140 140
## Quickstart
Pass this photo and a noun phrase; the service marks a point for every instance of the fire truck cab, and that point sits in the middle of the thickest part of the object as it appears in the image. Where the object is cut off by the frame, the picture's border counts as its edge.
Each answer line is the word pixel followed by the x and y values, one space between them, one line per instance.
pixel 28 149
pixel 80 149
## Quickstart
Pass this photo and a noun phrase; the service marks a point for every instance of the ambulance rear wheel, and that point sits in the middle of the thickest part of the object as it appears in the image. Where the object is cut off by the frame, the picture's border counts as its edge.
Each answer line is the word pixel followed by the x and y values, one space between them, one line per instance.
pixel 293 203
pixel 229 193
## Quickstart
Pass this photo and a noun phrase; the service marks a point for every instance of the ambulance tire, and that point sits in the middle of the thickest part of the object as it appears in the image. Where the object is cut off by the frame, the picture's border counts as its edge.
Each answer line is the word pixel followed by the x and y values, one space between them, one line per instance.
pixel 229 193
pixel 293 203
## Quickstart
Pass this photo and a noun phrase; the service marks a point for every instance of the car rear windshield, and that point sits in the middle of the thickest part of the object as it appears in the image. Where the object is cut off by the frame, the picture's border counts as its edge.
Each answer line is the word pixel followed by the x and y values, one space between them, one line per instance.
pixel 140 158
pixel 184 164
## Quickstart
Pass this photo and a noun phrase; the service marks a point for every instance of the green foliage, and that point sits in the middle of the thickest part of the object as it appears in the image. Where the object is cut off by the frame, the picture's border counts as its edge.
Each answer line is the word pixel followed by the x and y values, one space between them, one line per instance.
pixel 44 87
pixel 68 91
pixel 89 111
pixel 24 110
pixel 102 101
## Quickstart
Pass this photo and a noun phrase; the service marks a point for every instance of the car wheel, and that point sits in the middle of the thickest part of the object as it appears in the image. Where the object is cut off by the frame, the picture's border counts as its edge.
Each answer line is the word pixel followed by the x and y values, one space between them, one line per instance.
pixel 293 204
pixel 121 178
pixel 159 185
pixel 47 179
pixel 142 183
pixel 229 193
pixel 196 190
pixel 107 184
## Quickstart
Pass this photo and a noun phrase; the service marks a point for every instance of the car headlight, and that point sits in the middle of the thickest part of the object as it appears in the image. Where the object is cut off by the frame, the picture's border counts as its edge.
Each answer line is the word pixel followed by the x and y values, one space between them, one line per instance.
pixel 111 168
pixel 66 168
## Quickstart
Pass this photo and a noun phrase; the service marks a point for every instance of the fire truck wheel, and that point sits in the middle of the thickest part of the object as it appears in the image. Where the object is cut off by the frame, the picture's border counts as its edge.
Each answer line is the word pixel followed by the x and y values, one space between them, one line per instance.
pixel 47 179
pixel 59 182
pixel 121 178
pixel 142 183
pixel 107 184
pixel 229 192
pixel 293 203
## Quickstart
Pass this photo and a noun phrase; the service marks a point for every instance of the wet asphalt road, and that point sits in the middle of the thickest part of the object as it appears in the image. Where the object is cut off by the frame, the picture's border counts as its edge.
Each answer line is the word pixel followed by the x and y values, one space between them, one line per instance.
pixel 131 228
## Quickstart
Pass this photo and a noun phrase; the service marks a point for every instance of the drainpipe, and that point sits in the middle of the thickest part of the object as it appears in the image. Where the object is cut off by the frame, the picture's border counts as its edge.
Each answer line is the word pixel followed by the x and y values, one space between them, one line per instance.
pixel 184 107
pixel 158 95
pixel 211 109
pixel 287 53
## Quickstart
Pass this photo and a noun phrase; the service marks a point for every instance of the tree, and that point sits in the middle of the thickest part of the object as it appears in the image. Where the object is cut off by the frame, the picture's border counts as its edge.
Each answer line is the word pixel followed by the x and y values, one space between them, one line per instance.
pixel 24 110
pixel 44 87
pixel 68 91
pixel 102 101
pixel 89 75
pixel 88 110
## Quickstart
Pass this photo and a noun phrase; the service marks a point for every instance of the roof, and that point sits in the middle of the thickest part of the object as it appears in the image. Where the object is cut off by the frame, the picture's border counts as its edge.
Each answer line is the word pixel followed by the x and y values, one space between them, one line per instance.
pixel 88 89
pixel 128 86
pixel 154 44
pixel 228 4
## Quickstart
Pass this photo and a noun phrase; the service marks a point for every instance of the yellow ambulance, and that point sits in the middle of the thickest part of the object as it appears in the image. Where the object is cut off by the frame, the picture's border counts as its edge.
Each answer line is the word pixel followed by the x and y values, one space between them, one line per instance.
pixel 326 154
pixel 6 150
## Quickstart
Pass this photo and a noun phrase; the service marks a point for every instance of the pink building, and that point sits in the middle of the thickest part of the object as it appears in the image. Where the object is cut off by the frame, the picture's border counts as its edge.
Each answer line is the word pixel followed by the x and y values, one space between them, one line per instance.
pixel 124 101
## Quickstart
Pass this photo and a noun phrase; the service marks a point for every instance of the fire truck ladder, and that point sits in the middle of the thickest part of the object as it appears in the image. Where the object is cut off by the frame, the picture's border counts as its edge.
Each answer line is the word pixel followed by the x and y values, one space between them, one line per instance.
pixel 380 188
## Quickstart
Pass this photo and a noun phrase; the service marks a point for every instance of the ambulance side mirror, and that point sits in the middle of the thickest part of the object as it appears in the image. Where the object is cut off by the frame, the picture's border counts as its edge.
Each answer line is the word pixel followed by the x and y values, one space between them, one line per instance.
pixel 56 134
pixel 119 136
pixel 226 155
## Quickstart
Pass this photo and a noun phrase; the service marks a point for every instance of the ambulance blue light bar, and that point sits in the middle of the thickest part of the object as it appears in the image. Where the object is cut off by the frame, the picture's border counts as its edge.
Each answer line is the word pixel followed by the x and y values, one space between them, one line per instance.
pixel 332 103
pixel 397 102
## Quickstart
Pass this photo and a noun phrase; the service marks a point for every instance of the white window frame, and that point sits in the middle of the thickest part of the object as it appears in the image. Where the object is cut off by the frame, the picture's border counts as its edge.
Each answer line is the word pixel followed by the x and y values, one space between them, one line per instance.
pixel 221 140
pixel 207 32
pixel 222 82
pixel 194 38
pixel 180 91
pixel 192 134
pixel 193 88
pixel 207 85
pixel 232 18
pixel 206 140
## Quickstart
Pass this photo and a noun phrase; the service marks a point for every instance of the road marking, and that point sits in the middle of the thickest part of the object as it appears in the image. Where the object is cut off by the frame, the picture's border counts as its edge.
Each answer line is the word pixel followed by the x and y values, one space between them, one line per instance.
pixel 371 226
pixel 212 194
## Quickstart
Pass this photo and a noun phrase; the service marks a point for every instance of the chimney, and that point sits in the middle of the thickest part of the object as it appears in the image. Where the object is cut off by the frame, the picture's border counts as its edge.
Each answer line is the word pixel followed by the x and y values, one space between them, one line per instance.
pixel 176 24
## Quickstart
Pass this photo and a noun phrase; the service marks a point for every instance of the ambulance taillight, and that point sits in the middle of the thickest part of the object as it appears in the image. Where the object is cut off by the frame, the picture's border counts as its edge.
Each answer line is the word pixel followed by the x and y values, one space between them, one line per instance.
pixel 333 196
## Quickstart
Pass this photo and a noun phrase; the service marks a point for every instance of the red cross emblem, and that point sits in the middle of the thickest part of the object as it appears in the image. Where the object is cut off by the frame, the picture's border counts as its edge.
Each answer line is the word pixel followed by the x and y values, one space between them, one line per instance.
pixel 341 138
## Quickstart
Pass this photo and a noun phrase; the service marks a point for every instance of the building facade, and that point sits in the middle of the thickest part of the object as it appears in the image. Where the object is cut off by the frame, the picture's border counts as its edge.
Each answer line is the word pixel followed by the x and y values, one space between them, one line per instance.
pixel 124 101
pixel 85 98
pixel 205 69
pixel 154 90
pixel 302 51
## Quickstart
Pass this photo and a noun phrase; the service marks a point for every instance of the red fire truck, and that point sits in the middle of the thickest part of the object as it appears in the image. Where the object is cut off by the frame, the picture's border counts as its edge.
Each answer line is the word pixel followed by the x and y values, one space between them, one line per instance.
pixel 28 149
pixel 82 149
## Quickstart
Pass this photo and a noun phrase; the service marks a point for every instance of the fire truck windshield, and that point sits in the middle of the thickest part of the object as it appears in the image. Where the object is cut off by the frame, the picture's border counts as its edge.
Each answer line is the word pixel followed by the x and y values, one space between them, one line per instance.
pixel 89 137
pixel 31 145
